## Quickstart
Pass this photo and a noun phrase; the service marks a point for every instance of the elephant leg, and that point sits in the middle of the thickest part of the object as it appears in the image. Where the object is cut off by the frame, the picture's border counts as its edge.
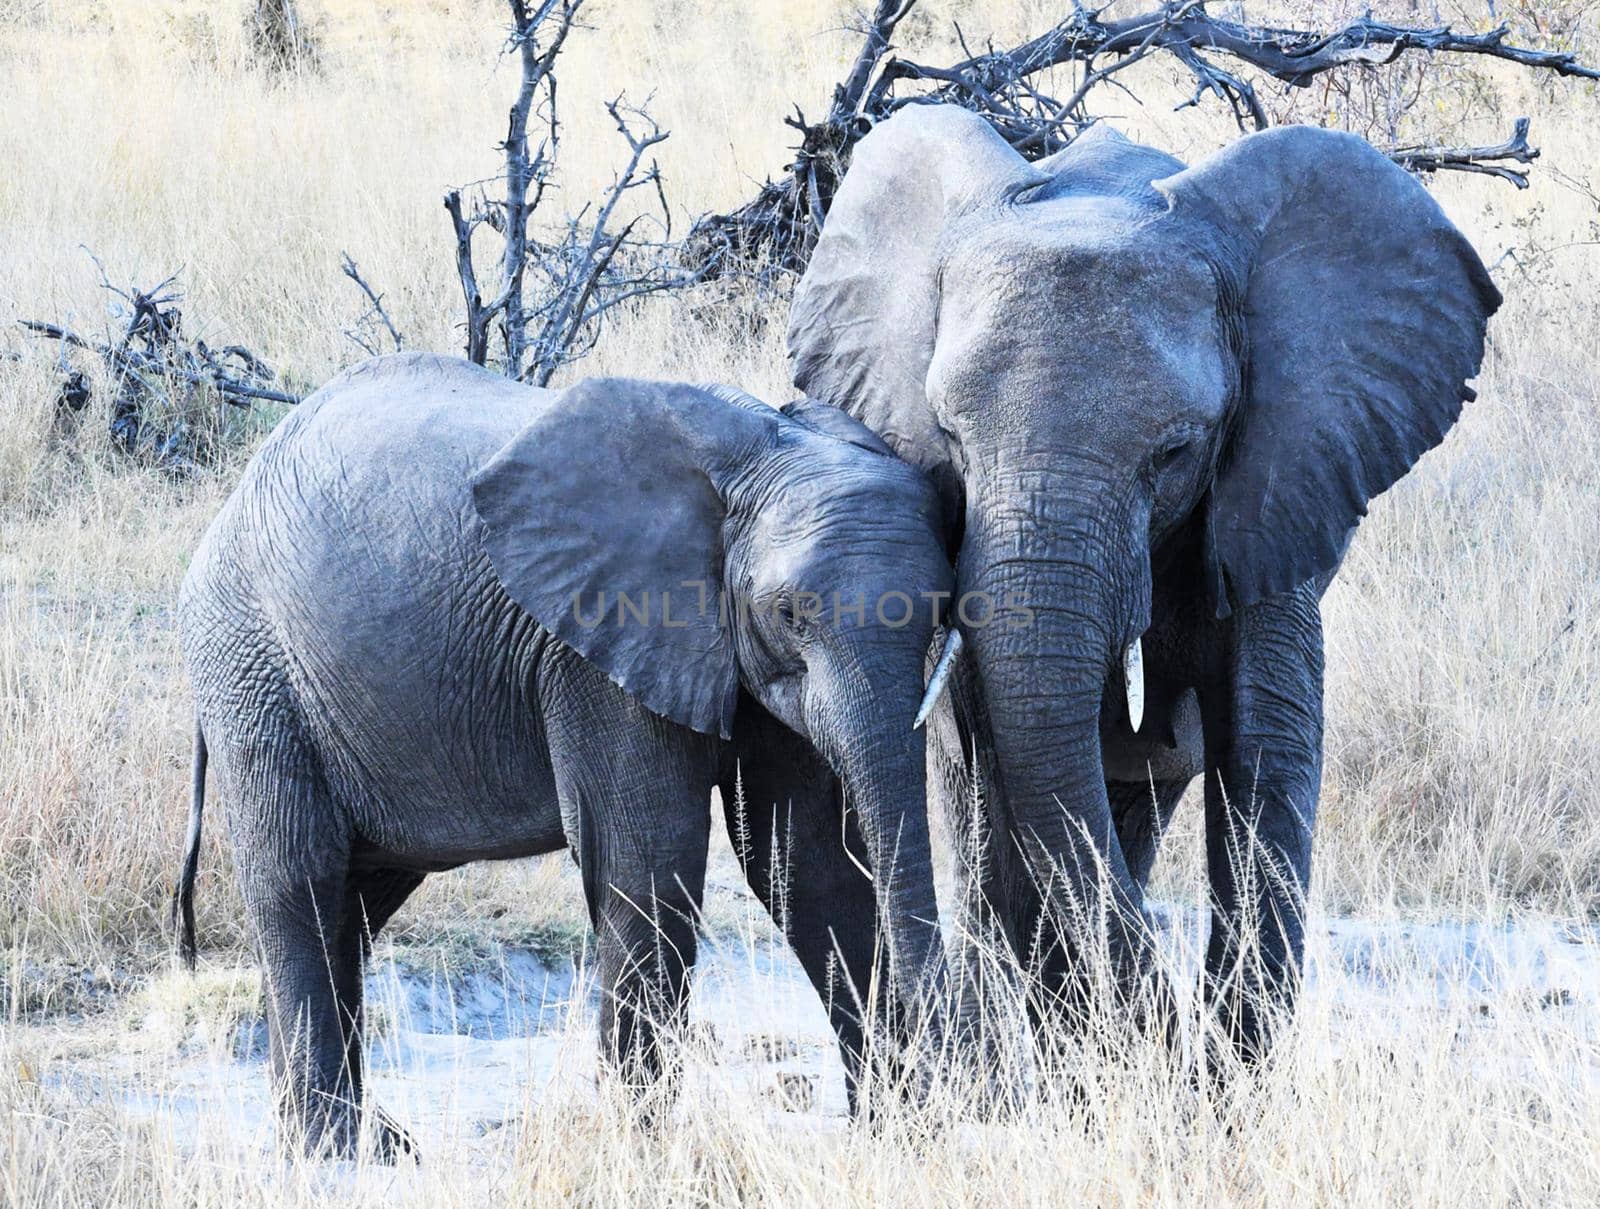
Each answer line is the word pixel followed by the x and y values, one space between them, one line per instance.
pixel 372 898
pixel 643 907
pixel 292 851
pixel 635 794
pixel 377 894
pixel 1263 735
pixel 1141 811
pixel 805 860
pixel 310 970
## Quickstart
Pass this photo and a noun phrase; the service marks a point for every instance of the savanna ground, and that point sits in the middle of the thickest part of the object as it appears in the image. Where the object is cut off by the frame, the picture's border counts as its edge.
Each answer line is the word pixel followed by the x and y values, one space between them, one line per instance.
pixel 1451 1065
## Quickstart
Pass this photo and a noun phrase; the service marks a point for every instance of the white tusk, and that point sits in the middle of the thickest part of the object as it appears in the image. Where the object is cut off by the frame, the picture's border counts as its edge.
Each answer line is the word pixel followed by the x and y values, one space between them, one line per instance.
pixel 1133 678
pixel 940 677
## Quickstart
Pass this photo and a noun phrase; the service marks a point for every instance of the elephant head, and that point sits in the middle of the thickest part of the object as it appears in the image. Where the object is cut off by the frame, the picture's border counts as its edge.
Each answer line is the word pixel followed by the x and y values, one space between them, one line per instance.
pixel 1105 355
pixel 713 555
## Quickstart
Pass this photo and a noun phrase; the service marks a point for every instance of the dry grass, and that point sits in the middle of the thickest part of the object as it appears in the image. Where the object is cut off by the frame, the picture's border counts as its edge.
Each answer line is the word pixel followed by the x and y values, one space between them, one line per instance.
pixel 1404 1096
pixel 1462 767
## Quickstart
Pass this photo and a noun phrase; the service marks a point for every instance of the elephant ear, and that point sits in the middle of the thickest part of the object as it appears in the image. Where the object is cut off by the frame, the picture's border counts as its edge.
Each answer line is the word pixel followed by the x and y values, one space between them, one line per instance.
pixel 861 328
pixel 616 490
pixel 1364 312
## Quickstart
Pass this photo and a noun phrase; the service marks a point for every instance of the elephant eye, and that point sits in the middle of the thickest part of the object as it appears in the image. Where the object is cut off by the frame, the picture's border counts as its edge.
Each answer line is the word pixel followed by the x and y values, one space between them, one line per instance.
pixel 1171 452
pixel 799 615
pixel 781 605
pixel 784 608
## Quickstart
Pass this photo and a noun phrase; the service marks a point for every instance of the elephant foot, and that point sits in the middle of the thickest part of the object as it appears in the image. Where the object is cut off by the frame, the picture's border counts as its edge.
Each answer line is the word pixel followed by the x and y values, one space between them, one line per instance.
pixel 337 1136
pixel 390 1142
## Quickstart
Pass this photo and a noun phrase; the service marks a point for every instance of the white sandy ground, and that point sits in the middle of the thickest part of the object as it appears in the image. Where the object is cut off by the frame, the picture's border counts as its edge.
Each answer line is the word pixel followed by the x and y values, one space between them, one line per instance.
pixel 460 1058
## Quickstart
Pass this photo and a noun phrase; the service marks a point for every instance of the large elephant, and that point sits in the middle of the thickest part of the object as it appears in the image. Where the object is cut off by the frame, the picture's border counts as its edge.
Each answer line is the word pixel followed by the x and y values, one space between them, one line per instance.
pixel 446 617
pixel 1156 401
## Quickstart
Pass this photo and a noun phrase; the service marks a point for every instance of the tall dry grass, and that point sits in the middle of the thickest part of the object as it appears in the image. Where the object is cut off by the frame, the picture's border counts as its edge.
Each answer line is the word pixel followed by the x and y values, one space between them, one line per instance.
pixel 1392 1087
pixel 1462 765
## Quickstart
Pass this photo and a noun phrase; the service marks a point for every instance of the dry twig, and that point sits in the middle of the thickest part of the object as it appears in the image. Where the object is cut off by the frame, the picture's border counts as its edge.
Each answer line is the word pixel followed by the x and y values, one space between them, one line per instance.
pixel 1489 161
pixel 374 314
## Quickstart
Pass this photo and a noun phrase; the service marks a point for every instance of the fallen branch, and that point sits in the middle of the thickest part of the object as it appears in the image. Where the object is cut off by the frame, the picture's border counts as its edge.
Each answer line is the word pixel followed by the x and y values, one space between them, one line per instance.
pixel 776 229
pixel 147 360
pixel 205 368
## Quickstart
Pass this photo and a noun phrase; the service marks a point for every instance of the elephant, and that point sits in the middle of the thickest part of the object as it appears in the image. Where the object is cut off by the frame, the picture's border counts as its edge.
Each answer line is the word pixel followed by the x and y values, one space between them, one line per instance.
pixel 1155 401
pixel 446 617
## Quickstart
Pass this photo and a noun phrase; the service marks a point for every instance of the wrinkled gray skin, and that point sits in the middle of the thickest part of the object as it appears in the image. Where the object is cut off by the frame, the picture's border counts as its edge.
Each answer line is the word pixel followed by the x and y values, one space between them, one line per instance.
pixel 1156 401
pixel 391 680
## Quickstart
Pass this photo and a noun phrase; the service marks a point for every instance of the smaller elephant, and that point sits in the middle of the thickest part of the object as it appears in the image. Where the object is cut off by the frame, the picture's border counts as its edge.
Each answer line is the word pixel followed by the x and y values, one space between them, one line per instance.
pixel 446 617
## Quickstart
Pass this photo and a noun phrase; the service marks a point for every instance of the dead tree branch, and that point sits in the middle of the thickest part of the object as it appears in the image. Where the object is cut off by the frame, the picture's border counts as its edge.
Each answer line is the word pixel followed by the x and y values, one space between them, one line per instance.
pixel 478 315
pixel 522 171
pixel 526 179
pixel 375 312
pixel 776 228
pixel 1292 56
pixel 554 293
pixel 593 268
pixel 1486 160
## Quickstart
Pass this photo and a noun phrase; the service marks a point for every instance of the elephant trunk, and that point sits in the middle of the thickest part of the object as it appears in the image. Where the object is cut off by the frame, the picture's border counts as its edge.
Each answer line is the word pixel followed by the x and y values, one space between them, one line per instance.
pixel 882 765
pixel 1068 566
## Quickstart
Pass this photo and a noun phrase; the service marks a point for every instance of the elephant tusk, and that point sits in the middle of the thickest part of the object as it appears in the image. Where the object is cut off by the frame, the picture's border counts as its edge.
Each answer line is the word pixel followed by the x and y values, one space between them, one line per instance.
pixel 1133 679
pixel 940 677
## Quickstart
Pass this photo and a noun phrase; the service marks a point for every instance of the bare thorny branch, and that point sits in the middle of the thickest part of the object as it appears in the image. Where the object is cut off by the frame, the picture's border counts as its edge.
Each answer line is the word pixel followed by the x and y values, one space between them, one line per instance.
pixel 374 314
pixel 555 293
pixel 780 224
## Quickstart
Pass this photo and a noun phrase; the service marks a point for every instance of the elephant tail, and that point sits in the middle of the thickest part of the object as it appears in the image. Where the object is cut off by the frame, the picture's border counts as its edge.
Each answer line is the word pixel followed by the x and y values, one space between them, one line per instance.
pixel 183 893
